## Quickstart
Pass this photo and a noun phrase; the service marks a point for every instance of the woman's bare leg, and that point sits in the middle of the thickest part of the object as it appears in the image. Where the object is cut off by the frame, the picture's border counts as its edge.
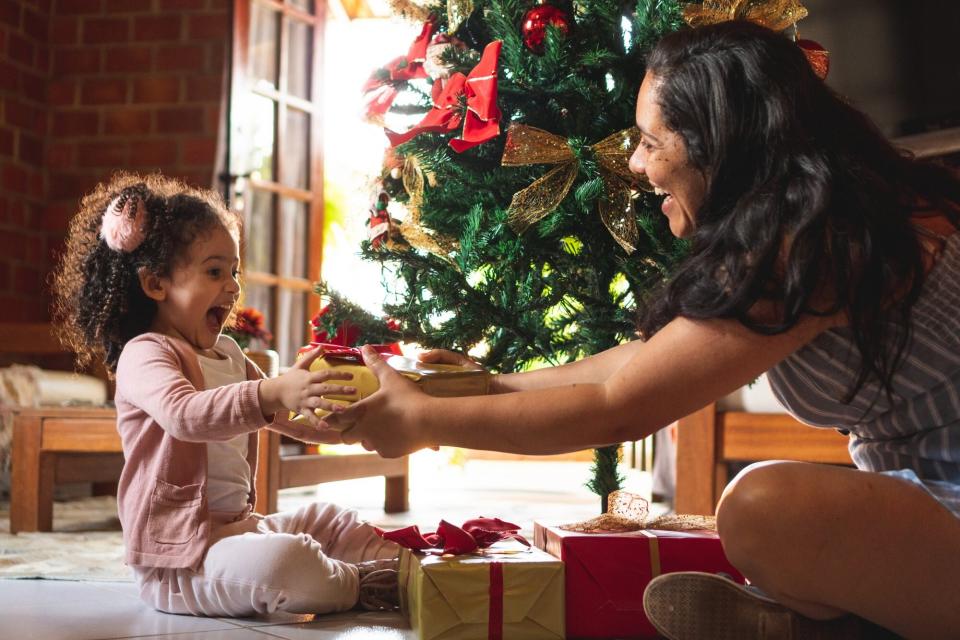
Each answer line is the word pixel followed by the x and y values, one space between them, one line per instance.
pixel 825 540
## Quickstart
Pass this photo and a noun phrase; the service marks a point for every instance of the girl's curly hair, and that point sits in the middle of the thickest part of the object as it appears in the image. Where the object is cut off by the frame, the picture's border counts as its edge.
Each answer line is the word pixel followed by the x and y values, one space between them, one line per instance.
pixel 99 304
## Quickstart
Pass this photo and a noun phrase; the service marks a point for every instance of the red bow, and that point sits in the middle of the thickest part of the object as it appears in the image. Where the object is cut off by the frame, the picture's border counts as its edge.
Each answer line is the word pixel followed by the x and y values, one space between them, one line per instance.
pixel 482 120
pixel 479 533
pixel 347 333
pixel 379 93
pixel 350 354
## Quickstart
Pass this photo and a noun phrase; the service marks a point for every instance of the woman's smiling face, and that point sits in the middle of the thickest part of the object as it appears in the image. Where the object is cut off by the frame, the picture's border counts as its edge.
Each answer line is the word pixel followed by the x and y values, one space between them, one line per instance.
pixel 662 157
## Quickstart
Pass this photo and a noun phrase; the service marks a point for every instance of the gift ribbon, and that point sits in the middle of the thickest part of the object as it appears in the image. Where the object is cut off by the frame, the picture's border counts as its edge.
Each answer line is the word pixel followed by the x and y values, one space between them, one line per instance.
pixel 495 618
pixel 351 355
pixel 478 533
pixel 654 553
pixel 628 511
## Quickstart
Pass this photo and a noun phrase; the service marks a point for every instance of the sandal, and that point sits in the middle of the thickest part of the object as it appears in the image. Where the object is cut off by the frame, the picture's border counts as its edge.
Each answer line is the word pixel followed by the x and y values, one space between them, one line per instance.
pixel 379 585
pixel 704 606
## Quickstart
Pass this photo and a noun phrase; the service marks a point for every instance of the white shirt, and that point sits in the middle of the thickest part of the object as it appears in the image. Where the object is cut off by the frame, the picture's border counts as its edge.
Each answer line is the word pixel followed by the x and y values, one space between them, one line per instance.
pixel 228 473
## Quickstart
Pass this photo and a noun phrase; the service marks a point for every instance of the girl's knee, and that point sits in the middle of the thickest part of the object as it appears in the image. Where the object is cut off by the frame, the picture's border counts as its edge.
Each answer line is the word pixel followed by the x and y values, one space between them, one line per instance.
pixel 283 553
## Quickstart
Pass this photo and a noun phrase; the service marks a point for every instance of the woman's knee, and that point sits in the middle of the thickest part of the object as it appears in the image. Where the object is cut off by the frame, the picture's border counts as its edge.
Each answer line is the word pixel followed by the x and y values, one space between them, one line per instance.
pixel 751 507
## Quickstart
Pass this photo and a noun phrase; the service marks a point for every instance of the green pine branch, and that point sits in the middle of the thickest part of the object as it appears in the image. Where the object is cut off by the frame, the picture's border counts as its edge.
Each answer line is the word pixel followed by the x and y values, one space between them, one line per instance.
pixel 564 289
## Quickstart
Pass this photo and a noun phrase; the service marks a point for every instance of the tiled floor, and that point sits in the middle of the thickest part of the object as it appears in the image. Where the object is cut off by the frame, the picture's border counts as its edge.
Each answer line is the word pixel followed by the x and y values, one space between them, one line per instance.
pixel 515 491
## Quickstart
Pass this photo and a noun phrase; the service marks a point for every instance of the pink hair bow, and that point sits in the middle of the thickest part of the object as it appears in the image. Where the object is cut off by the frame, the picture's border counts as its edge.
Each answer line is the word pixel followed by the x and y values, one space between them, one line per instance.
pixel 124 229
pixel 478 533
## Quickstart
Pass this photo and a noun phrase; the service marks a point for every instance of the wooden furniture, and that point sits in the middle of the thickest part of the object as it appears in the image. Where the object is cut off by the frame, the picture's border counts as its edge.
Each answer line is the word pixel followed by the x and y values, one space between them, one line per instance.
pixel 708 440
pixel 56 444
pixel 275 472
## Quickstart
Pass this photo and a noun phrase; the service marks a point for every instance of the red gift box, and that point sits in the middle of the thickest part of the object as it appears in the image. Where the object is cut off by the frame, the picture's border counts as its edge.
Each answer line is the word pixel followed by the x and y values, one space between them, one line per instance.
pixel 606 573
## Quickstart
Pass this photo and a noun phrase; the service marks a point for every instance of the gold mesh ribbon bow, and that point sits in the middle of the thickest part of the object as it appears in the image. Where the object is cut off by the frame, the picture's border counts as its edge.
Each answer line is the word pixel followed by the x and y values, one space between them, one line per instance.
pixel 529 145
pixel 412 231
pixel 457 13
pixel 773 14
pixel 630 512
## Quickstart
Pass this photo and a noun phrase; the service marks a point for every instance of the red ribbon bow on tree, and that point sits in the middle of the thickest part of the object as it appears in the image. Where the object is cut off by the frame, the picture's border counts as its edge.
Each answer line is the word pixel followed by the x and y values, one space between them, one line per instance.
pixel 346 334
pixel 475 534
pixel 379 93
pixel 482 121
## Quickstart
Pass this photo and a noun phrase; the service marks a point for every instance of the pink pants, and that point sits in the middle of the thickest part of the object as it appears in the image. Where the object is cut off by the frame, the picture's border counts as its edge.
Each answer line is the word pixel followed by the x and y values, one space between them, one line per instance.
pixel 300 561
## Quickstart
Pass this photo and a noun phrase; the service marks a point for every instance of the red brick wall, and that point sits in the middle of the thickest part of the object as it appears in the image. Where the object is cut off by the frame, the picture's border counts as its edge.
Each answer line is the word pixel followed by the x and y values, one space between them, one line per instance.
pixel 24 243
pixel 99 85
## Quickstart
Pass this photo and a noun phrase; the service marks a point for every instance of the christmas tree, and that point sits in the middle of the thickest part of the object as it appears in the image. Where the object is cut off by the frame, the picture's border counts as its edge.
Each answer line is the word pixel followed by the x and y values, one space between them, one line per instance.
pixel 506 217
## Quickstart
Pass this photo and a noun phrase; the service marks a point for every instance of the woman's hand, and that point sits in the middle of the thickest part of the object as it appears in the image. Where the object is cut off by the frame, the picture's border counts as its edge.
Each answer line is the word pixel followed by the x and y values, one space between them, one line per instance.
pixel 302 391
pixel 443 356
pixel 387 421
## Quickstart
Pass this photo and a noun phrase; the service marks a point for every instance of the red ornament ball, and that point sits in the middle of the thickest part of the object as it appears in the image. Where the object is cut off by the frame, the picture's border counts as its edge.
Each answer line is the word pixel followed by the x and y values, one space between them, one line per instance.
pixel 534 25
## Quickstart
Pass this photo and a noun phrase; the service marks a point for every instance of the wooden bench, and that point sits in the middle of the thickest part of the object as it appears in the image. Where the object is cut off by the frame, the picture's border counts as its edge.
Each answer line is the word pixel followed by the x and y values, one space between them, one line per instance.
pixel 54 445
pixel 709 439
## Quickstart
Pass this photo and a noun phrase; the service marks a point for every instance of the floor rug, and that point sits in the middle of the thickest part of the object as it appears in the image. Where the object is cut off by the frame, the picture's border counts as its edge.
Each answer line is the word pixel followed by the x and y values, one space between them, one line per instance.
pixel 86 544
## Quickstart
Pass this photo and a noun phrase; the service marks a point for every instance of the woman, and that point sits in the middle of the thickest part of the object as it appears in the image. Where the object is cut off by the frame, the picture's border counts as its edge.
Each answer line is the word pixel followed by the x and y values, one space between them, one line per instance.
pixel 820 255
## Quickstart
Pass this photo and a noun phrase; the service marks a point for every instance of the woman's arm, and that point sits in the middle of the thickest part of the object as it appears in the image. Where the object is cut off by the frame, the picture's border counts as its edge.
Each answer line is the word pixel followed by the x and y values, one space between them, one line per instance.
pixel 592 369
pixel 682 368
pixel 595 368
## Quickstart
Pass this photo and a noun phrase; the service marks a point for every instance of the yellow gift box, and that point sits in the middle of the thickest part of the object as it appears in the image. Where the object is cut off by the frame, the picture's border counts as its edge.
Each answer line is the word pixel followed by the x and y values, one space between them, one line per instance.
pixel 441 380
pixel 512 594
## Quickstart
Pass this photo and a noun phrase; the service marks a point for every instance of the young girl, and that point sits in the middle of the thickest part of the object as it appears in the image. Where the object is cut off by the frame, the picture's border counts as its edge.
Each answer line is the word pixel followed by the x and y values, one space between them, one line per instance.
pixel 148 281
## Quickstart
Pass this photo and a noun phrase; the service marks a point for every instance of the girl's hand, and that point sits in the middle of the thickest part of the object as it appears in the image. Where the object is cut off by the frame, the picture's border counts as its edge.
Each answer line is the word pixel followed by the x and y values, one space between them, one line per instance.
pixel 304 433
pixel 301 390
pixel 387 421
pixel 443 356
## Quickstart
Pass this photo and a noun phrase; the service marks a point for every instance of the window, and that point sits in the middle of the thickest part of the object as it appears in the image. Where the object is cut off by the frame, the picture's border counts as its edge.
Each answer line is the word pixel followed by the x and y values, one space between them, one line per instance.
pixel 275 160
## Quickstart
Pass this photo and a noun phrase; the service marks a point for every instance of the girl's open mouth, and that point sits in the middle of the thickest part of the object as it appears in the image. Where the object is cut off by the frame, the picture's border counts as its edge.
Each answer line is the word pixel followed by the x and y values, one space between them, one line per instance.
pixel 216 316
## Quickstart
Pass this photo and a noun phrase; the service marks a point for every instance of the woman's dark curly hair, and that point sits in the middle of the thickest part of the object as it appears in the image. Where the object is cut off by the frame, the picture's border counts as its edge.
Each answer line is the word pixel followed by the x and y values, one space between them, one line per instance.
pixel 99 304
pixel 808 206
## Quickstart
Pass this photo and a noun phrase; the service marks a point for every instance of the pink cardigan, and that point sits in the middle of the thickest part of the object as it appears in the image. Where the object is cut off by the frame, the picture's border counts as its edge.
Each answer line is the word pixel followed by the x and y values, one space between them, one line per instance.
pixel 165 419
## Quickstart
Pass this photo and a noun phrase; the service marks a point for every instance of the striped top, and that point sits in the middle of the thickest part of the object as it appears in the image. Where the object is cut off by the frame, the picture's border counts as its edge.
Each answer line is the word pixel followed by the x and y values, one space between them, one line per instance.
pixel 920 429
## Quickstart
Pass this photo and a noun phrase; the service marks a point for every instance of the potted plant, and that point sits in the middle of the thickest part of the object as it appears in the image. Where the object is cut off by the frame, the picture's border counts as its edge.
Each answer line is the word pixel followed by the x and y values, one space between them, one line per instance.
pixel 249 329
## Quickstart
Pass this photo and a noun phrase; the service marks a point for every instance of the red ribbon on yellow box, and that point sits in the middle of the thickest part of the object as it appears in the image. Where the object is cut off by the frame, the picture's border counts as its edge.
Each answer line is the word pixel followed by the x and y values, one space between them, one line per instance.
pixel 440 591
pixel 478 533
pixel 494 594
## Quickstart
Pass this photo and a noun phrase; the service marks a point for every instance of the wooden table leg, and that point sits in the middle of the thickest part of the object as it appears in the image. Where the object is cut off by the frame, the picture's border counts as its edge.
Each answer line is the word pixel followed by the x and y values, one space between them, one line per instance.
pixel 698 482
pixel 396 492
pixel 268 471
pixel 31 491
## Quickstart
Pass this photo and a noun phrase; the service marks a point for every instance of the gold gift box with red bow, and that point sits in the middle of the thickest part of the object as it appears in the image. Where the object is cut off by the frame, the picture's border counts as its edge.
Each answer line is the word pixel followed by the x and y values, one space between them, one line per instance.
pixel 440 380
pixel 512 593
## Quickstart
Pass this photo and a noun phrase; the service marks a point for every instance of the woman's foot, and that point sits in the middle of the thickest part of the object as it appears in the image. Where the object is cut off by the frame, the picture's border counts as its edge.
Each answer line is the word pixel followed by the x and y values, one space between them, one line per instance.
pixel 704 606
pixel 379 585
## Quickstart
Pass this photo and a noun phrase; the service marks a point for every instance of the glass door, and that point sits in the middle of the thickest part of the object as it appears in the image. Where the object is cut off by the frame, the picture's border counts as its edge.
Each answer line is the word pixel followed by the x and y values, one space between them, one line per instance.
pixel 275 160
